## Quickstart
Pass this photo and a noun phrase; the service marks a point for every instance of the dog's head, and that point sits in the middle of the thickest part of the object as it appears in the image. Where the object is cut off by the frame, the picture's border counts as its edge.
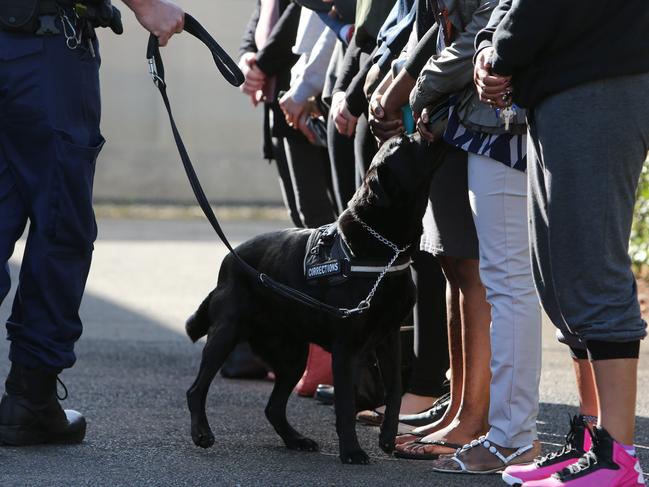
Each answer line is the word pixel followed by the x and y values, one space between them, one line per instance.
pixel 400 173
pixel 396 185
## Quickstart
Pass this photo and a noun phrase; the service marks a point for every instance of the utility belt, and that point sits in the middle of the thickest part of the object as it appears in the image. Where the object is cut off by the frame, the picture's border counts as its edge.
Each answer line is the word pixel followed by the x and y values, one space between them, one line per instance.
pixel 38 17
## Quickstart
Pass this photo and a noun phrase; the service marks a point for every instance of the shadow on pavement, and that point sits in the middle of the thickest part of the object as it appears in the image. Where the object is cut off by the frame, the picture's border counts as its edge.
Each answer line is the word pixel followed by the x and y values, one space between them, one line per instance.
pixel 130 382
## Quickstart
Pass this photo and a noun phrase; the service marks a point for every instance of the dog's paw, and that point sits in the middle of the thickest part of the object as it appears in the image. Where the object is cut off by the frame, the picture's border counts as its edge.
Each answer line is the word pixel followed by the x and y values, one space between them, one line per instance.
pixel 356 457
pixel 203 437
pixel 302 444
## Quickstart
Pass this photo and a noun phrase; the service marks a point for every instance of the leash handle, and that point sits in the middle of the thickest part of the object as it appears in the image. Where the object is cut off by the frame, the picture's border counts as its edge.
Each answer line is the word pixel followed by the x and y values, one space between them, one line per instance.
pixel 224 63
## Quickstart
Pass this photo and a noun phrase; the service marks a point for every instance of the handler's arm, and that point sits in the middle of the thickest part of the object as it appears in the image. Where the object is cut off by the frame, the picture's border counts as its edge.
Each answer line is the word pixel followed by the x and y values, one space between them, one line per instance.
pixel 162 18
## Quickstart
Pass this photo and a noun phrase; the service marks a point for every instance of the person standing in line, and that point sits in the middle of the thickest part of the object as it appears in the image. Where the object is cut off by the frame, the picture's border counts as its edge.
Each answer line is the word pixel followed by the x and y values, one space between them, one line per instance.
pixel 588 116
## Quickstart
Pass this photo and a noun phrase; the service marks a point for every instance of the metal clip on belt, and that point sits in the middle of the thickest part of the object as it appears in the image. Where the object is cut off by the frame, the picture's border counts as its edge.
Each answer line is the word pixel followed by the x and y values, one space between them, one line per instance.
pixel 234 76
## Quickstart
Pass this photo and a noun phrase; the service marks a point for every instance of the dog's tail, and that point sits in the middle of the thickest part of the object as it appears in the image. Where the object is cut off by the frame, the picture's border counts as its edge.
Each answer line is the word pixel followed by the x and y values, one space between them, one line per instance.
pixel 198 323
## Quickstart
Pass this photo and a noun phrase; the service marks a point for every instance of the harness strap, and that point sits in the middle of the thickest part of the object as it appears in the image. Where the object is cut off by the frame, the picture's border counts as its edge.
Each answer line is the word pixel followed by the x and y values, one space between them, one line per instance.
pixel 234 76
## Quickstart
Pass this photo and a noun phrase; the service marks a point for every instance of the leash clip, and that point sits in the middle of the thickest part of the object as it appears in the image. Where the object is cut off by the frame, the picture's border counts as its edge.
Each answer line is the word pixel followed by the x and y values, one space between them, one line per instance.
pixel 153 71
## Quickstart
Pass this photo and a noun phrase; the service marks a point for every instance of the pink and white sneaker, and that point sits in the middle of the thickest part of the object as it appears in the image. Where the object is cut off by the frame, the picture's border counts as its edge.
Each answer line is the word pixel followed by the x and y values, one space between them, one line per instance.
pixel 577 443
pixel 607 464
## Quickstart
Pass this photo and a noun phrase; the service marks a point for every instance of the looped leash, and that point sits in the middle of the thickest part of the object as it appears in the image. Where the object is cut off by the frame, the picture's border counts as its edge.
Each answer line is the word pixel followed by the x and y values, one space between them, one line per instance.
pixel 234 76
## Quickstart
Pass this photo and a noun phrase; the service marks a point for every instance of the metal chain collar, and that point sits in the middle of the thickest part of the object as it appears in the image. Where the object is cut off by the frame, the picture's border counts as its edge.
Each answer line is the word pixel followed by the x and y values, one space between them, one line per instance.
pixel 366 303
pixel 377 235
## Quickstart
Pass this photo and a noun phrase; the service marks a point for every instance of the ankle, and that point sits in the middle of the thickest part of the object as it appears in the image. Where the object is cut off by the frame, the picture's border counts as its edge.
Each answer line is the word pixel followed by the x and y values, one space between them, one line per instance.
pixel 38 385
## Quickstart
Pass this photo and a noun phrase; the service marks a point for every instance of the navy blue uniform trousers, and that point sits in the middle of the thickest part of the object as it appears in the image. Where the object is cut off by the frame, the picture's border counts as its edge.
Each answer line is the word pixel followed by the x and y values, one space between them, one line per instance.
pixel 49 142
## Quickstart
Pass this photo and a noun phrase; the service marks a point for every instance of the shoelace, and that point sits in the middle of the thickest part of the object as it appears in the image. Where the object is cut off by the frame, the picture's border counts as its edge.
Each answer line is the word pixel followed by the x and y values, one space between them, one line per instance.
pixel 65 390
pixel 567 448
pixel 586 461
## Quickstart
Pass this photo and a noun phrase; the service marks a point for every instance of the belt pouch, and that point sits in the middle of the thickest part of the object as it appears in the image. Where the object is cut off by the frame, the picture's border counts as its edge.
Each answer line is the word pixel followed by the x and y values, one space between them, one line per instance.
pixel 18 15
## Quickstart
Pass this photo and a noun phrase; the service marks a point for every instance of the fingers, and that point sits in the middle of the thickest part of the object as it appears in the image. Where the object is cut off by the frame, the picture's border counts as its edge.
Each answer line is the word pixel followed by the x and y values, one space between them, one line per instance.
pixel 422 126
pixel 345 126
pixel 304 128
pixel 492 89
pixel 383 130
pixel 341 123
pixel 376 109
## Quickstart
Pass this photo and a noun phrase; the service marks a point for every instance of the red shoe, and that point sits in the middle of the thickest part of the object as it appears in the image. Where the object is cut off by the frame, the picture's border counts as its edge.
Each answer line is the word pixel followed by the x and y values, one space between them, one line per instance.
pixel 317 371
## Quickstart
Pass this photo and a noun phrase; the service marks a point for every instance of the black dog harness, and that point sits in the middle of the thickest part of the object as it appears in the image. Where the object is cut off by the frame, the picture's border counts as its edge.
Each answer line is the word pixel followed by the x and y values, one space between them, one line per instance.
pixel 234 76
pixel 329 260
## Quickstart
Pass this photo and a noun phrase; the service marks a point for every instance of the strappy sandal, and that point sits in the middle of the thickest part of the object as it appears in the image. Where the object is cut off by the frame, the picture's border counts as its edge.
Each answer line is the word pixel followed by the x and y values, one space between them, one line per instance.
pixel 453 464
pixel 421 453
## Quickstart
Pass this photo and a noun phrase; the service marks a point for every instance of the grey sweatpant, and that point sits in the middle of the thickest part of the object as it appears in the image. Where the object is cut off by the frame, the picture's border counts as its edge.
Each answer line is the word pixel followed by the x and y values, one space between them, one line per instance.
pixel 586 149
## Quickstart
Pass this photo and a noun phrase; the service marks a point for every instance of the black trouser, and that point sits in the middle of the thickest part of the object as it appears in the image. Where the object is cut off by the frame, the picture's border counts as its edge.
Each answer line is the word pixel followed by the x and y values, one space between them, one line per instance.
pixel 285 184
pixel 310 178
pixel 350 158
pixel 343 171
pixel 431 359
pixel 365 148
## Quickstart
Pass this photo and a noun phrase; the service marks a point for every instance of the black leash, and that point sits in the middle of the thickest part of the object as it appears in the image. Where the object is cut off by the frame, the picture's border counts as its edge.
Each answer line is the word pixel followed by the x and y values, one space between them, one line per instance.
pixel 234 76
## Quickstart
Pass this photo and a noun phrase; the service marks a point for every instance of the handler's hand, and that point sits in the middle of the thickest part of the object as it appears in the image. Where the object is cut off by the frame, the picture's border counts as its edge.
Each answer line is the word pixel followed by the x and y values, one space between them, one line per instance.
pixel 492 88
pixel 162 18
pixel 382 125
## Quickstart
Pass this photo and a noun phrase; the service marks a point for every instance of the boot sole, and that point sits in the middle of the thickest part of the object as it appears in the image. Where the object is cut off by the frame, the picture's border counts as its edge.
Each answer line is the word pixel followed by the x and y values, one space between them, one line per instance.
pixel 19 436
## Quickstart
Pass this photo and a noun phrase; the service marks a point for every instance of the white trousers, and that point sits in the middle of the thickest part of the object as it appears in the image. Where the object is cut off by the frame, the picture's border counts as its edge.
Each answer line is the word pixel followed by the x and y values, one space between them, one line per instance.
pixel 498 197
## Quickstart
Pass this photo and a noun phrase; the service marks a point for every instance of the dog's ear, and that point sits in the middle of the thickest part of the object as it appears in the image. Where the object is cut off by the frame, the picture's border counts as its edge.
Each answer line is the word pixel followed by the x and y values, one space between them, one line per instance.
pixel 379 195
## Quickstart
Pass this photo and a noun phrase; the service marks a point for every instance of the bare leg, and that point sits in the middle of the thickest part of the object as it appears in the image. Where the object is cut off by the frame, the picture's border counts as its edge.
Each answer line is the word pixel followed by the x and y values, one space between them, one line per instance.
pixel 455 352
pixel 588 405
pixel 471 418
pixel 616 383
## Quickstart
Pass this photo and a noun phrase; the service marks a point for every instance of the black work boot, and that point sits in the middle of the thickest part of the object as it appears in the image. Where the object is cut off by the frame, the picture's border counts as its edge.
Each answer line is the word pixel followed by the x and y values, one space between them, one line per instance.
pixel 30 412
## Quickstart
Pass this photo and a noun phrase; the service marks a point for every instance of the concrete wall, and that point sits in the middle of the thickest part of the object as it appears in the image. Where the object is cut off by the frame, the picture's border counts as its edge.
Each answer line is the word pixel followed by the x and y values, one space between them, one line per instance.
pixel 220 128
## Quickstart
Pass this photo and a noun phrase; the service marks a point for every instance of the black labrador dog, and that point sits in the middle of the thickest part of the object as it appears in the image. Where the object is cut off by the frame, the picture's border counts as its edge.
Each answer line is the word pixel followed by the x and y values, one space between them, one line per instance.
pixel 388 207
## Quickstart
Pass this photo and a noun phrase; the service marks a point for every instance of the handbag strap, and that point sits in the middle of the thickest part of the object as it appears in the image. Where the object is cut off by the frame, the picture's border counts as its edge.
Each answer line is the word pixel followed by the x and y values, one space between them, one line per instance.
pixel 234 76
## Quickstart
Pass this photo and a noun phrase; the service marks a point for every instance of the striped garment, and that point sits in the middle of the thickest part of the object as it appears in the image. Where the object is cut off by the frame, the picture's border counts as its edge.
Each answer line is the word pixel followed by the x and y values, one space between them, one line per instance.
pixel 510 149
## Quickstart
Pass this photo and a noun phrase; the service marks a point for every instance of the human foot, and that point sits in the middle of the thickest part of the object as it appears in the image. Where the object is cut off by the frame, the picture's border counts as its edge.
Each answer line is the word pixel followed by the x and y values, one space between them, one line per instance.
pixel 482 456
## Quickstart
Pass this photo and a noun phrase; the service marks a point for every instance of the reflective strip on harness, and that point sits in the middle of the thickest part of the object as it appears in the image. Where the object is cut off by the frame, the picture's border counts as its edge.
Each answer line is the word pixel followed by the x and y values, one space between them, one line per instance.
pixel 379 269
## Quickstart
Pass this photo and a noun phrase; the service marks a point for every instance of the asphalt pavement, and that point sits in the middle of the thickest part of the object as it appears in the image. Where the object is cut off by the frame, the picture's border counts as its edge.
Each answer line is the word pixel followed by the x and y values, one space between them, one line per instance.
pixel 135 364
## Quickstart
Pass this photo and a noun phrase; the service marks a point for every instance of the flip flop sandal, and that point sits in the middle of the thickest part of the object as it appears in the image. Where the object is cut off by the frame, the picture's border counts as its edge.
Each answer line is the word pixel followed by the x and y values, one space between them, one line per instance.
pixel 455 465
pixel 421 454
